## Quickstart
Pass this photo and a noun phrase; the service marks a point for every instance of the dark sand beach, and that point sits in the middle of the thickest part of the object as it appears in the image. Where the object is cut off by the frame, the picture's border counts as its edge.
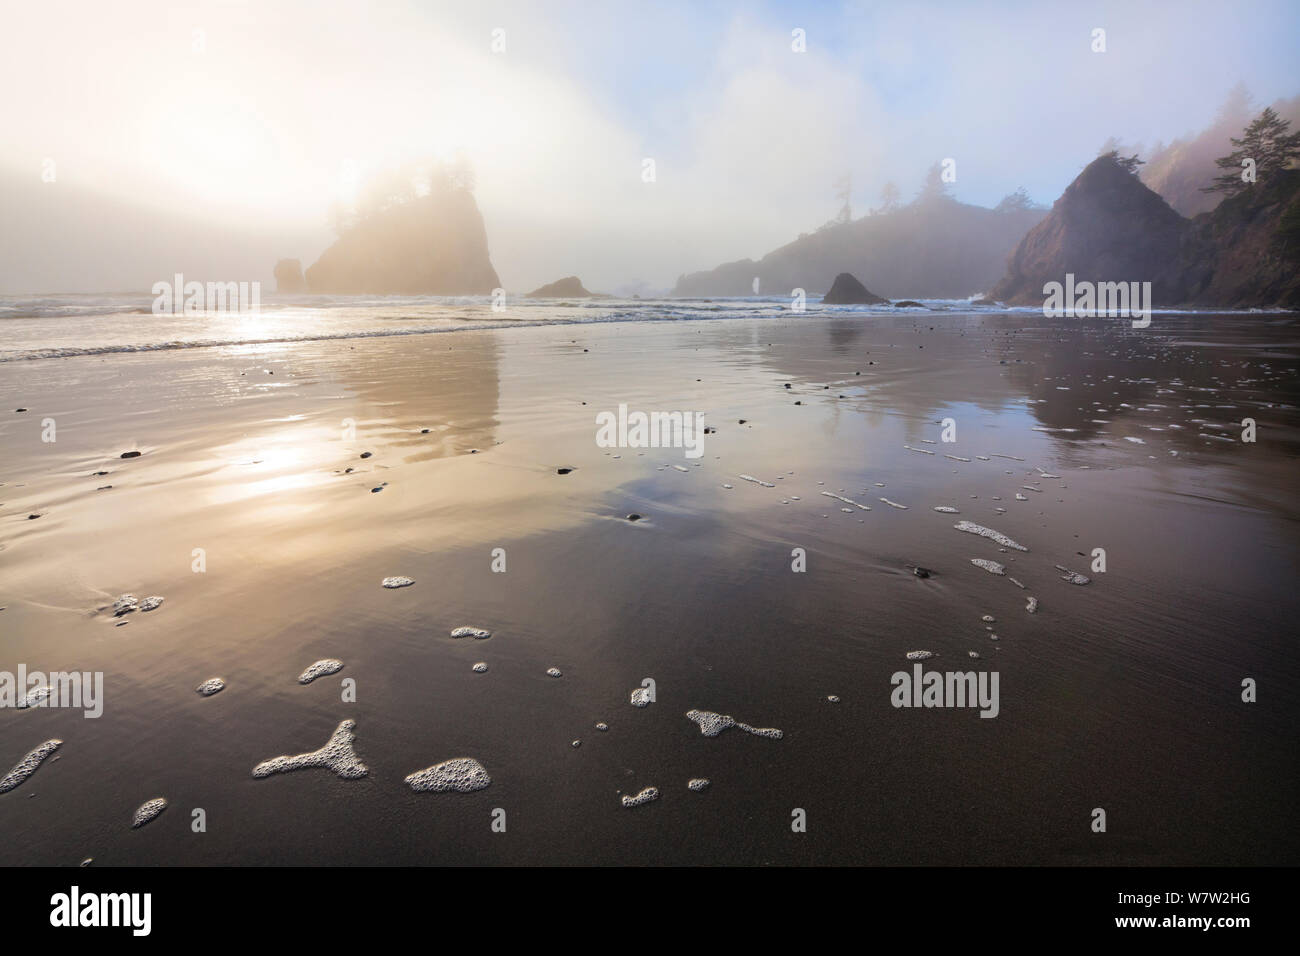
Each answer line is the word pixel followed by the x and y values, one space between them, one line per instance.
pixel 1124 694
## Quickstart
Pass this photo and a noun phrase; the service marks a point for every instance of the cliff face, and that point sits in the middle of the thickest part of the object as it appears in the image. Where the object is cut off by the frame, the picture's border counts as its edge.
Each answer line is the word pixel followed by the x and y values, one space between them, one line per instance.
pixel 1106 227
pixel 936 249
pixel 1246 253
pixel 1109 227
pixel 434 245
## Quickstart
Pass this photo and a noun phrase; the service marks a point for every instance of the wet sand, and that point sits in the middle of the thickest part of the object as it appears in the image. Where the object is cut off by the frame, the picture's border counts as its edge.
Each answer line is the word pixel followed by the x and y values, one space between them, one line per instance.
pixel 1122 694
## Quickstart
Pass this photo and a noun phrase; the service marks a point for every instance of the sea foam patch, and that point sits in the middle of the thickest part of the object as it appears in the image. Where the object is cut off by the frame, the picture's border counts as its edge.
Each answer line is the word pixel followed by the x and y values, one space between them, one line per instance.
pixel 460 774
pixel 322 668
pixel 480 633
pixel 147 812
pixel 971 527
pixel 339 755
pixel 645 796
pixel 27 766
pixel 711 724
pixel 397 582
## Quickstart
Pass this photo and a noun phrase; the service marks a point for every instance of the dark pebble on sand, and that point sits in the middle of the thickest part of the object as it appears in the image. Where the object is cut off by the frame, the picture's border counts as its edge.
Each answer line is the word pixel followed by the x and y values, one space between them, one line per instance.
pixel 375 490
pixel 20 409
pixel 32 517
pixel 424 431
pixel 130 454
pixel 366 454
pixel 921 572
pixel 742 421
pixel 798 403
pixel 563 471
pixel 634 517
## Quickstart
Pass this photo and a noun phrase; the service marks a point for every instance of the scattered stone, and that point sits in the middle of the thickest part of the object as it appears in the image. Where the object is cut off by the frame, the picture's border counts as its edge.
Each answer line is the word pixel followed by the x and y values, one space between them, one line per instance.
pixel 130 454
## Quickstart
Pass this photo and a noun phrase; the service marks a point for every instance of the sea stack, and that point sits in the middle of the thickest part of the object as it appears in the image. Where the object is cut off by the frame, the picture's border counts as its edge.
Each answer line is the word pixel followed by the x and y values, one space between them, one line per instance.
pixel 288 276
pixel 846 290
pixel 570 287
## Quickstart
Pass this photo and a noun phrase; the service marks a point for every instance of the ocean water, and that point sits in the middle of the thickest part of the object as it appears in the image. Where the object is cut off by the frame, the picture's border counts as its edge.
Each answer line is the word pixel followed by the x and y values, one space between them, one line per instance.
pixel 58 326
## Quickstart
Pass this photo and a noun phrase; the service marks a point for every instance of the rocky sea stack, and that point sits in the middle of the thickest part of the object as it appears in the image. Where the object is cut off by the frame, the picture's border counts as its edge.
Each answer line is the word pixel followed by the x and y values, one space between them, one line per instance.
pixel 570 287
pixel 846 290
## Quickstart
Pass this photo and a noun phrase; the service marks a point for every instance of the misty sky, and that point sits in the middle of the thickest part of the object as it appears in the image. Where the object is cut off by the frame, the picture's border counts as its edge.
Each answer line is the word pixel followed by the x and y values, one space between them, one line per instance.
pixel 215 160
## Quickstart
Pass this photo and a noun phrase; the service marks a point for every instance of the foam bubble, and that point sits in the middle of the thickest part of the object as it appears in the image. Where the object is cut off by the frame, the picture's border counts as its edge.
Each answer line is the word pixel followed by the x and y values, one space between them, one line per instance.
pixel 1032 605
pixel 125 604
pixel 602 726
pixel 645 796
pixel 480 668
pixel 848 501
pixel 398 582
pixel 712 724
pixel 919 655
pixel 151 603
pixel 640 697
pixel 923 451
pixel 834 699
pixel 946 509
pixel 894 504
pixel 338 755
pixel 461 774
pixel 956 457
pixel 992 567
pixel 147 812
pixel 972 528
pixel 697 784
pixel 758 481
pixel 211 686
pixel 467 631
pixel 322 668
pixel 35 697
pixel 1074 577
pixel 554 672
pixel 27 766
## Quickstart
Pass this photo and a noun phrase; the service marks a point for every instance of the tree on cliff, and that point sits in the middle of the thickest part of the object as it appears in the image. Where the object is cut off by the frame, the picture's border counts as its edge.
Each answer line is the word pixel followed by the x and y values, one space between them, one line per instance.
pixel 1266 143
pixel 888 199
pixel 934 187
pixel 1017 201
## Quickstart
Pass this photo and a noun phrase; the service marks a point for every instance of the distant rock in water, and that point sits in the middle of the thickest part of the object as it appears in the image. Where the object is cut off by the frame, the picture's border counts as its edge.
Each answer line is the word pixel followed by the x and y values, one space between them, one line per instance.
pixel 846 290
pixel 289 277
pixel 570 287
pixel 431 245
